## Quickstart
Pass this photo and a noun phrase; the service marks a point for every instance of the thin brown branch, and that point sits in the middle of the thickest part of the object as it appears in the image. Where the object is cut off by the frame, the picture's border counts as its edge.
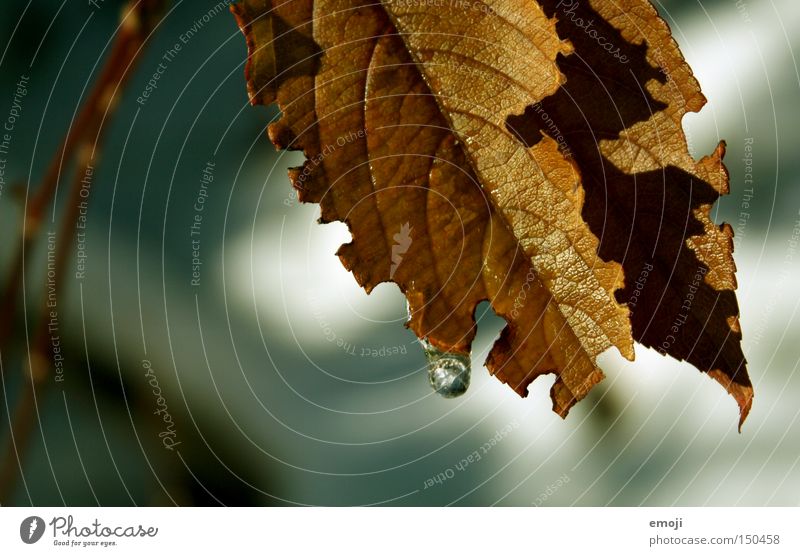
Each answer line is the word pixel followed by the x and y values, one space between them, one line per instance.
pixel 83 143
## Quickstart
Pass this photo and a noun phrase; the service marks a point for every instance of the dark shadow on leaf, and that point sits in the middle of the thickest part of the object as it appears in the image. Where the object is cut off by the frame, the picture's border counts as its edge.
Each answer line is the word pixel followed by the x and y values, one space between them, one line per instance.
pixel 641 219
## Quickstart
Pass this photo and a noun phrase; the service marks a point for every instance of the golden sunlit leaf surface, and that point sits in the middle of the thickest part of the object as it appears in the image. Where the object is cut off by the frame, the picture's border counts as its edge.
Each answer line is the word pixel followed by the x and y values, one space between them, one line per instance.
pixel 499 151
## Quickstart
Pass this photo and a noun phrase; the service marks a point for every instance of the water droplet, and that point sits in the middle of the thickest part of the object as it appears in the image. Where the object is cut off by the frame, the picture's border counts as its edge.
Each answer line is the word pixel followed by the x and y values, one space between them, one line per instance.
pixel 448 372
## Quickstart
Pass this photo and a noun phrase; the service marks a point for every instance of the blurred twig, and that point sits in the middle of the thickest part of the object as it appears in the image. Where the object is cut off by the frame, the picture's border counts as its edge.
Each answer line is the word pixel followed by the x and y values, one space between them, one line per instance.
pixel 81 145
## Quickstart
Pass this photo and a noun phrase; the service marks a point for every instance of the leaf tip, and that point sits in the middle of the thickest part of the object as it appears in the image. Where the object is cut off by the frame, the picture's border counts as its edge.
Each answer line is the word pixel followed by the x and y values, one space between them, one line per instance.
pixel 742 393
pixel 564 396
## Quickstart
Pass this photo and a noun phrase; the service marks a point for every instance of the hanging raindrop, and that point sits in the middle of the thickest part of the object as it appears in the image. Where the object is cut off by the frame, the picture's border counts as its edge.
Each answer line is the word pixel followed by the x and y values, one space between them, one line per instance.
pixel 448 373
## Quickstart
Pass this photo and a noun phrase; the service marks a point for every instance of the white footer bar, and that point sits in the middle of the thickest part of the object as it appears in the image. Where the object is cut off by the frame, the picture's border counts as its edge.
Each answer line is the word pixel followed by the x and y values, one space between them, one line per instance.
pixel 406 531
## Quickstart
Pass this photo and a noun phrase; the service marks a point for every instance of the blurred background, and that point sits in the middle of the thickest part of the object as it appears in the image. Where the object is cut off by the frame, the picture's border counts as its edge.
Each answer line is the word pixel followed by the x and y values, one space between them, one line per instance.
pixel 282 381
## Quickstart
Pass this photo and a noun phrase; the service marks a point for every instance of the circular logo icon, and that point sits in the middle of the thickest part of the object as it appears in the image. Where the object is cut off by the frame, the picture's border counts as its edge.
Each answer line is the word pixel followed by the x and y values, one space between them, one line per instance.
pixel 31 529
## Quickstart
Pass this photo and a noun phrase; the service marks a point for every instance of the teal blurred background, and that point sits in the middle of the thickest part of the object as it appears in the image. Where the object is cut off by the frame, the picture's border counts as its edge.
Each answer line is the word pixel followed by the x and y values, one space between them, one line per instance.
pixel 268 409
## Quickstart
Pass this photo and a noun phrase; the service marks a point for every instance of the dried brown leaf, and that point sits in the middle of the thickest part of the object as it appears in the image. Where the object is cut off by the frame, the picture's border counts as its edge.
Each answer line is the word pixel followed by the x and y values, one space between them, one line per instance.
pixel 413 120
